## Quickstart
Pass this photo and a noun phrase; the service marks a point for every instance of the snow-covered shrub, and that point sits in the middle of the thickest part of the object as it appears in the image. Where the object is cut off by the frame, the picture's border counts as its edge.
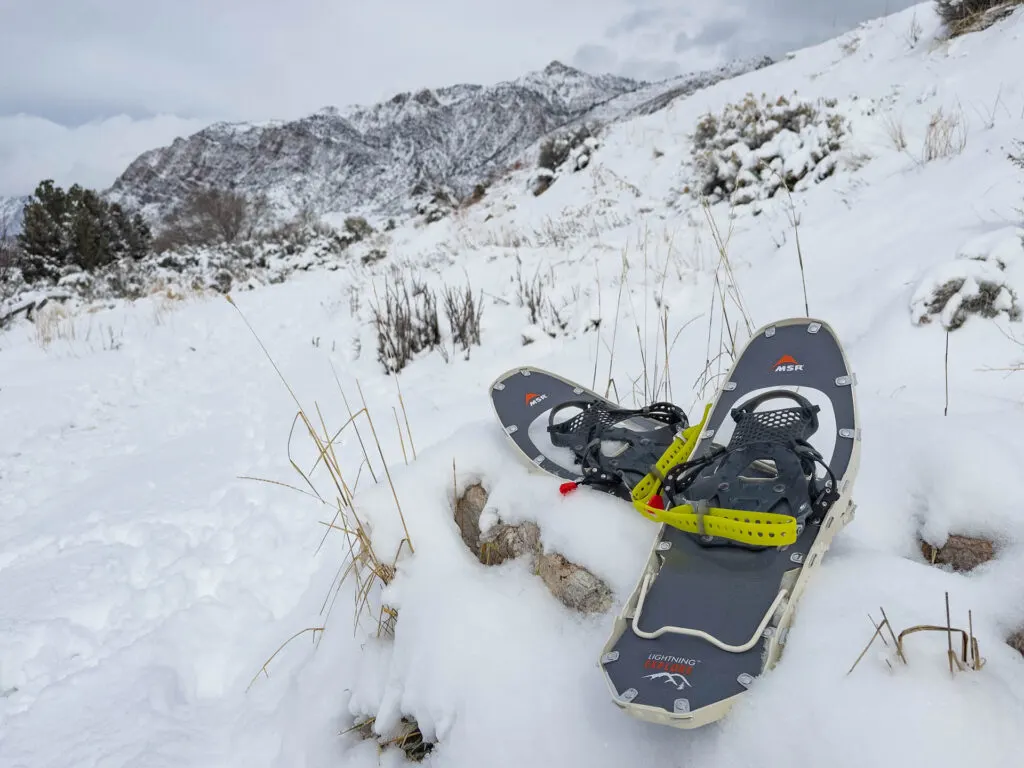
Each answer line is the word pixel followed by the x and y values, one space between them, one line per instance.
pixel 569 150
pixel 974 283
pixel 962 16
pixel 407 323
pixel 753 148
pixel 433 207
pixel 535 295
pixel 210 216
pixel 1017 158
pixel 463 311
pixel 358 227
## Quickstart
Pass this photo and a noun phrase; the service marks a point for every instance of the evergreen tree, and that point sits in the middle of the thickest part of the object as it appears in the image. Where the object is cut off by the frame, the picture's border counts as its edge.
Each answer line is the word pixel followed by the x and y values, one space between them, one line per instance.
pixel 77 228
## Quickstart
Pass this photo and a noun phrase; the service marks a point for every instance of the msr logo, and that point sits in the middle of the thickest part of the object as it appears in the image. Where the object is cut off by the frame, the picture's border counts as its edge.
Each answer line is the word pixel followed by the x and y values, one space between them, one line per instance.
pixel 532 398
pixel 787 364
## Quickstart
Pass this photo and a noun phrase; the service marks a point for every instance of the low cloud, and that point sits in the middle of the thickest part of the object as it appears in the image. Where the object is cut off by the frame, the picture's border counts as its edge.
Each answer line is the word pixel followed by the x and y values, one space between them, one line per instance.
pixel 93 154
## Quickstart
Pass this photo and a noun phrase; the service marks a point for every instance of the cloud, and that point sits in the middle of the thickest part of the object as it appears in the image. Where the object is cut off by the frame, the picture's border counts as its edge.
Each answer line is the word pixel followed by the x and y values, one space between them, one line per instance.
pixel 655 38
pixel 260 59
pixel 93 154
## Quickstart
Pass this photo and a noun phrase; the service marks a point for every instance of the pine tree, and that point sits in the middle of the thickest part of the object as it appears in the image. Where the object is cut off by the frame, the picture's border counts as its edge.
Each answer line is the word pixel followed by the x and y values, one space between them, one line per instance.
pixel 77 228
pixel 42 238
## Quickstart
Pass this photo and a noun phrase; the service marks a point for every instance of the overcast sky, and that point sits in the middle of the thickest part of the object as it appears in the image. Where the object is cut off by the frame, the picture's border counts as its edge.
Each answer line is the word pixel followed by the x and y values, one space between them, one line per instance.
pixel 89 84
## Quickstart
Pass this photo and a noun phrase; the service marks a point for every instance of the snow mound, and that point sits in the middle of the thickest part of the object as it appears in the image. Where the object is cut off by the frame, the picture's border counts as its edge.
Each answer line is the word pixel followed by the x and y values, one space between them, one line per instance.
pixel 974 283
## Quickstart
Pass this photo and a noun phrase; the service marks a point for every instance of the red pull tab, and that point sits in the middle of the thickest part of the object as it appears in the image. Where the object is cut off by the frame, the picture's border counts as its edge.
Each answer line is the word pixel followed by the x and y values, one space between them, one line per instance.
pixel 567 488
pixel 656 501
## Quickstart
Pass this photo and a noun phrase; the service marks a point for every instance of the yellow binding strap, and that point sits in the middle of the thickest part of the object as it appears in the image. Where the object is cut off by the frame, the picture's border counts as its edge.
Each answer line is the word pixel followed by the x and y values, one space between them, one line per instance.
pixel 766 529
pixel 757 528
pixel 678 452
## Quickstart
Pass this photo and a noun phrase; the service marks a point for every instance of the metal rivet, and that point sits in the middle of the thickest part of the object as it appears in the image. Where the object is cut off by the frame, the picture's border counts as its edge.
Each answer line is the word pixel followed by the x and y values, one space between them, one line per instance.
pixel 511 428
pixel 629 694
pixel 814 327
pixel 681 705
pixel 769 332
pixel 745 680
pixel 664 546
pixel 796 557
pixel 609 657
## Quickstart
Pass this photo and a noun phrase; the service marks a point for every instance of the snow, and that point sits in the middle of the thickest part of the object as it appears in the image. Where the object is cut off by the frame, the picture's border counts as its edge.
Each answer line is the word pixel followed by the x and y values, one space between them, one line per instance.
pixel 145 579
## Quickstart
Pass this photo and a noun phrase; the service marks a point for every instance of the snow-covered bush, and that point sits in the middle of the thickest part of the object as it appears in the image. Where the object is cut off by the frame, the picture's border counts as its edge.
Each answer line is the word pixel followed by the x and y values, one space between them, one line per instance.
pixel 535 295
pixel 567 151
pixel 358 227
pixel 1017 158
pixel 974 283
pixel 406 322
pixel 464 311
pixel 433 207
pixel 753 148
pixel 961 16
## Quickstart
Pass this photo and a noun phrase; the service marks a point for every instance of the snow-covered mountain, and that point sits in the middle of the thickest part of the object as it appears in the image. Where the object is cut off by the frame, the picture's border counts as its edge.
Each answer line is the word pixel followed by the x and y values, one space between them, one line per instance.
pixel 371 158
pixel 11 213
pixel 161 606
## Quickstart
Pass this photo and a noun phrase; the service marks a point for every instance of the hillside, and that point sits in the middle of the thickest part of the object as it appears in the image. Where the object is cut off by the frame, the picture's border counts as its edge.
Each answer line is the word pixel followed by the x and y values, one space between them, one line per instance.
pixel 370 159
pixel 148 583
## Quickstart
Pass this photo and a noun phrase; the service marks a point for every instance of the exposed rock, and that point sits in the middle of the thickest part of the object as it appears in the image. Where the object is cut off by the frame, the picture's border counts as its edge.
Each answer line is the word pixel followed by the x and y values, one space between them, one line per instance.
pixel 507 542
pixel 961 553
pixel 573 585
pixel 468 508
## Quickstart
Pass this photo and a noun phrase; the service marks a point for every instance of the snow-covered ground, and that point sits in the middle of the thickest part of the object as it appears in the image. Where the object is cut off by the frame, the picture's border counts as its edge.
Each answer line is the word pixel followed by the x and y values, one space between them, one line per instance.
pixel 145 580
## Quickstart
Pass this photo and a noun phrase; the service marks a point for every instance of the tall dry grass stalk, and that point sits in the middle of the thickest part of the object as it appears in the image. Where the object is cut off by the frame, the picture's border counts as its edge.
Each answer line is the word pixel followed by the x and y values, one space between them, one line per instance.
pixel 362 564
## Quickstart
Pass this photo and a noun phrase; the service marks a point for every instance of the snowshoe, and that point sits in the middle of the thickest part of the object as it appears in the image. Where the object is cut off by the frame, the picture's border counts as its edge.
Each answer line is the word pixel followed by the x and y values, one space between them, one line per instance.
pixel 748 515
pixel 571 432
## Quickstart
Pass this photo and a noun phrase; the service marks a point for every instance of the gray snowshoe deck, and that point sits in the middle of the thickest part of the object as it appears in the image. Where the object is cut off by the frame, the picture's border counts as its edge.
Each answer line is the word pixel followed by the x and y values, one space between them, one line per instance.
pixel 708 616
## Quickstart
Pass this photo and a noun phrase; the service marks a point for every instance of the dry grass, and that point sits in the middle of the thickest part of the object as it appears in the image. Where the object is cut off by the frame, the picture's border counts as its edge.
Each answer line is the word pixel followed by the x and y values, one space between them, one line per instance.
pixel 894 130
pixel 966 16
pixel 362 565
pixel 945 136
pixel 54 322
pixel 969 657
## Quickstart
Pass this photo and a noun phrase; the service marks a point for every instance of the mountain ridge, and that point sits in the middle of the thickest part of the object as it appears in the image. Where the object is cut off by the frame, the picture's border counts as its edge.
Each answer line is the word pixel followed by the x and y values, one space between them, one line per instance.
pixel 373 158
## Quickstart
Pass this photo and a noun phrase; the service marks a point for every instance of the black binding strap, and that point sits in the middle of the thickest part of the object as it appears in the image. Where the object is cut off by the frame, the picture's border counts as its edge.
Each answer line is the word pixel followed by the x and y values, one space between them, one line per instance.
pixel 597 422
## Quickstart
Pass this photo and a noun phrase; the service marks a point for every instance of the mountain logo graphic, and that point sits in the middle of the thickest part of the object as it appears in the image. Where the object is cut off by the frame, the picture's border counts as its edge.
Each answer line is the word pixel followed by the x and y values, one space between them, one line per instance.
pixel 787 364
pixel 532 398
pixel 679 681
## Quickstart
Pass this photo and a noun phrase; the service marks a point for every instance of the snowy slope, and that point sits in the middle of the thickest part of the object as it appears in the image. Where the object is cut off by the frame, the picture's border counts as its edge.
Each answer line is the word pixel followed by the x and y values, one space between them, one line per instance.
pixel 144 582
